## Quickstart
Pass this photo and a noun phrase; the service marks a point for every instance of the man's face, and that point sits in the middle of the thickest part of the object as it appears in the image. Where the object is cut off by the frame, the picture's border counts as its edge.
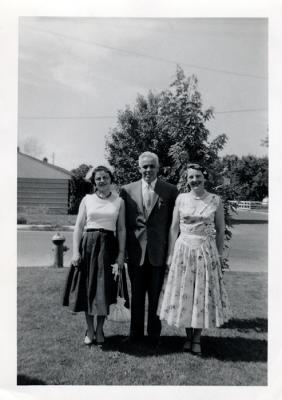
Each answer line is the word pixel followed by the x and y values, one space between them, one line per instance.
pixel 148 169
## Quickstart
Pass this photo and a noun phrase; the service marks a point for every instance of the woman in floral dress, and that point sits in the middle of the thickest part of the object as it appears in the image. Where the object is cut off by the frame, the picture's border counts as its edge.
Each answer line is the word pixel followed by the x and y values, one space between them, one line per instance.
pixel 193 294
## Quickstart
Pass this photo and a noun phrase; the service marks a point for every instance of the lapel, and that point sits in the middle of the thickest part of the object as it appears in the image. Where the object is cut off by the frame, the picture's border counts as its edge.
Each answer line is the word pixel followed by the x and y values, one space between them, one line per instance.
pixel 137 195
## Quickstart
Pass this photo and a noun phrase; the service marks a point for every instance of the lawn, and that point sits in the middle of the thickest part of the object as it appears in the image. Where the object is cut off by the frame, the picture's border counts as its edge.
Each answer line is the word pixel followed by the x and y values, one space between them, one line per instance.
pixel 51 349
pixel 33 217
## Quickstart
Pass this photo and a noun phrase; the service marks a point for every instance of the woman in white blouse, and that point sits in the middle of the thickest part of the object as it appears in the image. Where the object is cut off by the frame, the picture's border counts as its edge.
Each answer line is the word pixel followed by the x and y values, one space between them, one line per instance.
pixel 98 243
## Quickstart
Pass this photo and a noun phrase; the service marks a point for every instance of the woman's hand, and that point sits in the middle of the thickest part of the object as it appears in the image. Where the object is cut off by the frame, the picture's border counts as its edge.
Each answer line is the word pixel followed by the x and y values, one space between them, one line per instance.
pixel 168 264
pixel 120 261
pixel 75 259
pixel 169 260
pixel 222 263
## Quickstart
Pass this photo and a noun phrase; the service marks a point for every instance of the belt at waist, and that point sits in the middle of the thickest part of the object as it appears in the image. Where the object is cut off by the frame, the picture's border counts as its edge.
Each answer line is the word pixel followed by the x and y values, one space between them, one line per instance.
pixel 192 240
pixel 99 230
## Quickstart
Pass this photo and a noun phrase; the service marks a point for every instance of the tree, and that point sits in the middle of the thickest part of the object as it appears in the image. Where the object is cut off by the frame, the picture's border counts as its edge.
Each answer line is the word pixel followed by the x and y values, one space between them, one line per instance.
pixel 32 146
pixel 252 177
pixel 137 131
pixel 248 176
pixel 79 187
pixel 171 124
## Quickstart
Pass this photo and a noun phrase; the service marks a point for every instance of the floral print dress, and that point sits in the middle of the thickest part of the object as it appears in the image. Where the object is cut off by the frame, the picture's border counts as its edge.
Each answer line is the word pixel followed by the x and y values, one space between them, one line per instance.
pixel 193 293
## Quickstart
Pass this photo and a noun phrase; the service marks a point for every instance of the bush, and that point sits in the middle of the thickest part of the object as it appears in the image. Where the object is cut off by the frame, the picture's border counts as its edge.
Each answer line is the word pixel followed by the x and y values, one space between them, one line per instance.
pixel 78 187
pixel 21 220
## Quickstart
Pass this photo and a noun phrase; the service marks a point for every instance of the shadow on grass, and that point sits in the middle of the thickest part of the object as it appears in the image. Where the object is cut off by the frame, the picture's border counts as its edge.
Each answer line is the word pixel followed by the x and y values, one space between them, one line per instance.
pixel 168 345
pixel 28 380
pixel 248 221
pixel 245 325
pixel 234 349
pixel 221 348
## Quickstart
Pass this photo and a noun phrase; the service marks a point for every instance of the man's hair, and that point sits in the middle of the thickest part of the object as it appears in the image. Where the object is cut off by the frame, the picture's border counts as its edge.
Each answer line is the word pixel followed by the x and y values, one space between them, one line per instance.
pixel 148 154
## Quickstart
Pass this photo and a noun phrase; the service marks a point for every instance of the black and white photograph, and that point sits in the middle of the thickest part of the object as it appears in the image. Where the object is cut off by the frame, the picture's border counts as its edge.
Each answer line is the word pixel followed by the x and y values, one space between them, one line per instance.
pixel 142 202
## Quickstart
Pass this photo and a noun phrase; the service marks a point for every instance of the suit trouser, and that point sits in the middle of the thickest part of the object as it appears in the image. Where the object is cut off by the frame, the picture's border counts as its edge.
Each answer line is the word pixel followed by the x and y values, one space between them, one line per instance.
pixel 145 279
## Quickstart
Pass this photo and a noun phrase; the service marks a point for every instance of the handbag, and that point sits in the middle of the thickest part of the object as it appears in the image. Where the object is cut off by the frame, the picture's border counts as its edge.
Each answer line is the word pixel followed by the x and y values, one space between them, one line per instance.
pixel 118 311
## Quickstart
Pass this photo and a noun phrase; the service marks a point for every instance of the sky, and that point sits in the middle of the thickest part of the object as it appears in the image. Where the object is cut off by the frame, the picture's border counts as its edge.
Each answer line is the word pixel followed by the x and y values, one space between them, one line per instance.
pixel 76 73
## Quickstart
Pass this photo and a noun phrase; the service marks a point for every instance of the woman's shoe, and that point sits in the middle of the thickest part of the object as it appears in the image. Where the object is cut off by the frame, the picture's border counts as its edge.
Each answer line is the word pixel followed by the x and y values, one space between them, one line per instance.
pixel 187 345
pixel 87 340
pixel 100 339
pixel 196 348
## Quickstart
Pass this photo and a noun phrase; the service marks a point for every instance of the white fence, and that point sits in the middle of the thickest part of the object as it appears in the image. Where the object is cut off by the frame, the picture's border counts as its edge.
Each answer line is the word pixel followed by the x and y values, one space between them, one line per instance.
pixel 248 205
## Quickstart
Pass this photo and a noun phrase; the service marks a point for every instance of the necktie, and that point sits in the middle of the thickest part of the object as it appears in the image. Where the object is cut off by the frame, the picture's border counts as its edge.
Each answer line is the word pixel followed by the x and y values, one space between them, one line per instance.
pixel 148 197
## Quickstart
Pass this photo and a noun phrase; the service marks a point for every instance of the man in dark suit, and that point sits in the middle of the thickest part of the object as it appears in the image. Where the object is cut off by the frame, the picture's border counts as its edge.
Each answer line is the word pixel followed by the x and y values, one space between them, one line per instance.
pixel 149 205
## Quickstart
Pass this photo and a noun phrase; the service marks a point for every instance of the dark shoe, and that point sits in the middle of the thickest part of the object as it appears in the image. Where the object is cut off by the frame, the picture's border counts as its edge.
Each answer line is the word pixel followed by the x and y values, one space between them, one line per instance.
pixel 187 345
pixel 100 339
pixel 153 345
pixel 196 348
pixel 132 339
pixel 153 341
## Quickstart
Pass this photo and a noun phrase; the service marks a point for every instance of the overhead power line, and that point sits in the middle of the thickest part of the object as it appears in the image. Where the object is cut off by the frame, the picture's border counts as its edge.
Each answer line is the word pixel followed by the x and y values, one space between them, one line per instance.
pixel 240 111
pixel 70 117
pixel 114 116
pixel 143 55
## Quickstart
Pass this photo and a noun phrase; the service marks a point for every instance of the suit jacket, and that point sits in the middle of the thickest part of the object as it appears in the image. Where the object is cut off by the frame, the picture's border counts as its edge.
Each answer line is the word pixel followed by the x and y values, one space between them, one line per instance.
pixel 148 232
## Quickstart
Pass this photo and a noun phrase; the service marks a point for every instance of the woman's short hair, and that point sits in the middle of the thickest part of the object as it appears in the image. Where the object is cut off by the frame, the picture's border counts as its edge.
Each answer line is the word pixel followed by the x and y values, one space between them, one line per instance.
pixel 101 168
pixel 148 154
pixel 198 167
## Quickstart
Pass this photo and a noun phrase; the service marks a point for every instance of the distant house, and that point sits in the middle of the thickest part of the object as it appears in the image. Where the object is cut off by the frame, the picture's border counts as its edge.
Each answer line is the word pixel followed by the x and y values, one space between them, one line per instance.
pixel 42 185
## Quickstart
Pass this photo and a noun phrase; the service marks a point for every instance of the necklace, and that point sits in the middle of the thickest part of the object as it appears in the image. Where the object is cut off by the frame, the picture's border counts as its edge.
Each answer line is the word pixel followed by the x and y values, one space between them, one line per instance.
pixel 199 197
pixel 103 196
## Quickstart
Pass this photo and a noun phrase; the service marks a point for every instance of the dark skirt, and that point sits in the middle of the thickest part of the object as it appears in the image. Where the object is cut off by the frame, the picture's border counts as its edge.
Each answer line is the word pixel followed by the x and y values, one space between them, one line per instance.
pixel 91 286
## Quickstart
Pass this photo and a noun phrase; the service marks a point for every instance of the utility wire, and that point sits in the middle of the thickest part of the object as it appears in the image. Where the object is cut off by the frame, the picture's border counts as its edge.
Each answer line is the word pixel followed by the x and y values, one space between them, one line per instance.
pixel 240 111
pixel 74 117
pixel 113 116
pixel 137 54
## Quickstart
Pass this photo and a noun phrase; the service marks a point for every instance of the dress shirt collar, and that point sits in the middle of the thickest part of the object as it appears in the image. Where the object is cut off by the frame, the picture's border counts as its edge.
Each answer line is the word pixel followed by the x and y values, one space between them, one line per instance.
pixel 152 184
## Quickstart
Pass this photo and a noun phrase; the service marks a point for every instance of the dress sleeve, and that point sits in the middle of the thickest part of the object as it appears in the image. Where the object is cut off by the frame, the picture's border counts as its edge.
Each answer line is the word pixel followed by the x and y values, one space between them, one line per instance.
pixel 216 201
pixel 82 213
pixel 178 200
pixel 83 203
pixel 119 201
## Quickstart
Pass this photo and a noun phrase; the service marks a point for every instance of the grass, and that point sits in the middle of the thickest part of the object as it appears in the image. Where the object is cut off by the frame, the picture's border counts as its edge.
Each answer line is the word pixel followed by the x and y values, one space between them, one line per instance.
pixel 51 352
pixel 37 218
pixel 41 216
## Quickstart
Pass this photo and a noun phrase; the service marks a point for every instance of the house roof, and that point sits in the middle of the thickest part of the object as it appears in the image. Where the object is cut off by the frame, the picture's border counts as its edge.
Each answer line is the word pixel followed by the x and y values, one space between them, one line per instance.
pixel 31 167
